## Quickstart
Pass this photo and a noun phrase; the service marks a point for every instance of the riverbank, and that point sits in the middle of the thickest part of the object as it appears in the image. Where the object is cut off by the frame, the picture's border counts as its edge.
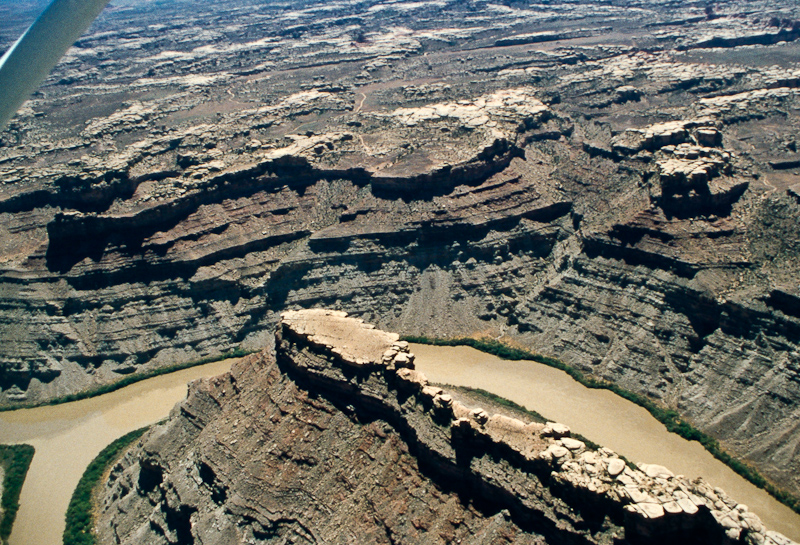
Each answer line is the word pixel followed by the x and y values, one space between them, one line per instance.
pixel 15 461
pixel 80 517
pixel 602 416
pixel 128 381
pixel 669 417
pixel 67 437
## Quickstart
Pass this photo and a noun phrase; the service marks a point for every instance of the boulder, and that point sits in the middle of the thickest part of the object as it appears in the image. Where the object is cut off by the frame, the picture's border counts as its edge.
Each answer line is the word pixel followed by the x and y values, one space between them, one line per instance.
pixel 615 467
pixel 556 430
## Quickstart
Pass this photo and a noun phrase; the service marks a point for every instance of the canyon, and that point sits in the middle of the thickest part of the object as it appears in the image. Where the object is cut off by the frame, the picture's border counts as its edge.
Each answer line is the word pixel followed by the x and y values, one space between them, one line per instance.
pixel 337 438
pixel 68 436
pixel 613 184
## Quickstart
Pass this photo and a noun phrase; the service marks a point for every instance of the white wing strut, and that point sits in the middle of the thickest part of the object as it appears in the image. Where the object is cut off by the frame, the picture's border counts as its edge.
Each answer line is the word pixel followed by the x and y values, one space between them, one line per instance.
pixel 34 55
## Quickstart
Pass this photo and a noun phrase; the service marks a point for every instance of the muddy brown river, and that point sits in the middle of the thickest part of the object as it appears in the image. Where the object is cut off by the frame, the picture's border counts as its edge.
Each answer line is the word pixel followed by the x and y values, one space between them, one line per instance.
pixel 601 416
pixel 67 437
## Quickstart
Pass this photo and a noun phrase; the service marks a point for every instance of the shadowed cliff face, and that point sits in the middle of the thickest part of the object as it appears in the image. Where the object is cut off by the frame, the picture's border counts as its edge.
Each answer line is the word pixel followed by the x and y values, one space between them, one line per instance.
pixel 623 198
pixel 338 439
pixel 256 457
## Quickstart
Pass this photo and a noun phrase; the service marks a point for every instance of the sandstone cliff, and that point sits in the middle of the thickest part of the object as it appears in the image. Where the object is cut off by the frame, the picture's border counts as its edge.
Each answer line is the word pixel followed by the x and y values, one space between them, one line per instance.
pixel 620 199
pixel 337 439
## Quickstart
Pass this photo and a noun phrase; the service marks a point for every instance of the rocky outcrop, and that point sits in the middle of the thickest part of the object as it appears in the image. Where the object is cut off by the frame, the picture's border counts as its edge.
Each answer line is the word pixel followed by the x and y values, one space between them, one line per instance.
pixel 604 198
pixel 285 451
pixel 695 180
pixel 545 36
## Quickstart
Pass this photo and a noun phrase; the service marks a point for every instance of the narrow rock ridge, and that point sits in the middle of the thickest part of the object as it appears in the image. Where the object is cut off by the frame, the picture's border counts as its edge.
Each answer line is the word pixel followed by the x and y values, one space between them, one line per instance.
pixel 503 457
pixel 335 437
pixel 622 199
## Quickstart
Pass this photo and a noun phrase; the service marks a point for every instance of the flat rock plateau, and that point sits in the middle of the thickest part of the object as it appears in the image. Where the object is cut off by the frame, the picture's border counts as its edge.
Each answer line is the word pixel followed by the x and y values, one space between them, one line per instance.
pixel 615 184
pixel 335 438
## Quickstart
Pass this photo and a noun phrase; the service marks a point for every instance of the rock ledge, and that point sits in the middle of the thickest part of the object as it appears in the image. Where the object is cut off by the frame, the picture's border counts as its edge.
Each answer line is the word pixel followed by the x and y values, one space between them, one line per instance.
pixel 650 501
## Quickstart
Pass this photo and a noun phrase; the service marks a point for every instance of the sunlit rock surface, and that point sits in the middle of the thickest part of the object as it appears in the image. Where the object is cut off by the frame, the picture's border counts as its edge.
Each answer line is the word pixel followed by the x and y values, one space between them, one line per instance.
pixel 337 438
pixel 615 186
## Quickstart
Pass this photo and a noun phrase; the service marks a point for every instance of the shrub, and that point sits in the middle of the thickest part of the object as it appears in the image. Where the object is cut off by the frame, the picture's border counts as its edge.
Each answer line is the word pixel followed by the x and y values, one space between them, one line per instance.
pixel 79 517
pixel 15 459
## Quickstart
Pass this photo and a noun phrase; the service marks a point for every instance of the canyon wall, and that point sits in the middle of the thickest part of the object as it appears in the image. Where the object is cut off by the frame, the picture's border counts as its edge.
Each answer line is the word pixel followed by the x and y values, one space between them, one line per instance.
pixel 337 438
pixel 621 199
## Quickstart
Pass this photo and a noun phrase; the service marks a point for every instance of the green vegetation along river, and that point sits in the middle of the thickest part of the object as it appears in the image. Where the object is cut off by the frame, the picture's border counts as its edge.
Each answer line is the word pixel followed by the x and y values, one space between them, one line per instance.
pixel 602 417
pixel 67 437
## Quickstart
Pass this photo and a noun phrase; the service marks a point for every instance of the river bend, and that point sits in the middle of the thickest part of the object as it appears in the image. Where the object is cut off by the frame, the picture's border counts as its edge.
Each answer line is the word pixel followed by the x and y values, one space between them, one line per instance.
pixel 69 436
pixel 601 416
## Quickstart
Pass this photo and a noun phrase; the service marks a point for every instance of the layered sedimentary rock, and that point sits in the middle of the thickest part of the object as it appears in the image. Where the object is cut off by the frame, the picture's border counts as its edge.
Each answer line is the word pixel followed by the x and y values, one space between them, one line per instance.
pixel 618 195
pixel 338 439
